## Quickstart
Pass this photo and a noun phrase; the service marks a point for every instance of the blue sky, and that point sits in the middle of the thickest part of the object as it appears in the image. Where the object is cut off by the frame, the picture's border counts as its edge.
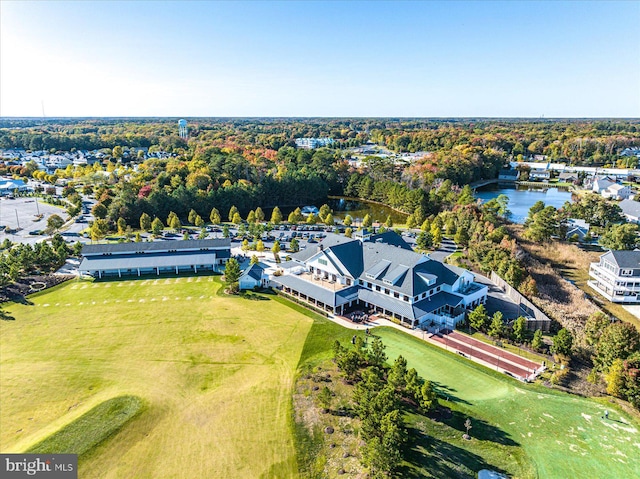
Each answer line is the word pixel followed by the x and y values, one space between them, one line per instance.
pixel 425 59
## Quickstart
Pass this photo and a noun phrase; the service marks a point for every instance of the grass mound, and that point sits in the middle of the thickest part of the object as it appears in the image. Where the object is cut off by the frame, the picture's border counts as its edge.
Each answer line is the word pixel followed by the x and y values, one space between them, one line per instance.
pixel 92 428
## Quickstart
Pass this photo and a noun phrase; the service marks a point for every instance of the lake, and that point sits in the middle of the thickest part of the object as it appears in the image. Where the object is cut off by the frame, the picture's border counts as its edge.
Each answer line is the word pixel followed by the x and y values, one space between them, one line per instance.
pixel 522 198
pixel 358 209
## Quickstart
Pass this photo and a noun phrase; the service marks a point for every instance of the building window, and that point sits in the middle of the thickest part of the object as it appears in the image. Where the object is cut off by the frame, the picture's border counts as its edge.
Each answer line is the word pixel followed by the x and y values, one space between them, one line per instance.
pixel 322 261
pixel 386 291
pixel 626 272
pixel 406 298
pixel 368 285
pixel 377 288
pixel 396 294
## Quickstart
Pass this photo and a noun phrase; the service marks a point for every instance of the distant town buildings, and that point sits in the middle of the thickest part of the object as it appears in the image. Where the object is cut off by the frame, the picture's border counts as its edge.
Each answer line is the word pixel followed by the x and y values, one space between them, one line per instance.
pixel 50 162
pixel 312 143
pixel 8 187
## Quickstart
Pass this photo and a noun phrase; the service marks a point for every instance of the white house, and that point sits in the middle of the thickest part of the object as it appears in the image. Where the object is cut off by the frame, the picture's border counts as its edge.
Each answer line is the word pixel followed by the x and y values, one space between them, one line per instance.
pixel 617 192
pixel 254 276
pixel 539 174
pixel 617 276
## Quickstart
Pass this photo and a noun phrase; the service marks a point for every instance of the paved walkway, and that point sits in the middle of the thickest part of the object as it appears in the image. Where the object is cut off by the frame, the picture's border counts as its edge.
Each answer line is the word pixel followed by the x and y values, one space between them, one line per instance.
pixel 468 347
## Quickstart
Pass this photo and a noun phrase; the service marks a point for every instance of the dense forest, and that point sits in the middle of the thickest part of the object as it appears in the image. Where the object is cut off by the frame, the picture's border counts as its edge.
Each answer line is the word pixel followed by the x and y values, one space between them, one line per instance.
pixel 253 162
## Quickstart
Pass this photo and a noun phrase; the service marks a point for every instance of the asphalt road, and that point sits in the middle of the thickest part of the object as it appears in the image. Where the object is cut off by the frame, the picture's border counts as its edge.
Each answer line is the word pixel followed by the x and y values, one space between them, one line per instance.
pixel 447 247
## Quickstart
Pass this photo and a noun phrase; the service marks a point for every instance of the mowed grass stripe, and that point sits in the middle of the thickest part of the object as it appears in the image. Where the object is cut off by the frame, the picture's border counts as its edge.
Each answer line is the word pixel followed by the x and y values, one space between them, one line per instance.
pixel 92 428
pixel 215 373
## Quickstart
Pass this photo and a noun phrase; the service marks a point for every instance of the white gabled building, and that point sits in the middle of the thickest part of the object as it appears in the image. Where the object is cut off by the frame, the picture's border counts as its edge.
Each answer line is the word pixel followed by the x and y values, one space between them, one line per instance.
pixel 617 276
pixel 382 274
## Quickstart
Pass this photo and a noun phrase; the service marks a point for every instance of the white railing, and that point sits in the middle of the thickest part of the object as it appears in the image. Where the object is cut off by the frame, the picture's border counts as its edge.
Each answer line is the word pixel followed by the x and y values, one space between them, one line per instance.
pixel 444 319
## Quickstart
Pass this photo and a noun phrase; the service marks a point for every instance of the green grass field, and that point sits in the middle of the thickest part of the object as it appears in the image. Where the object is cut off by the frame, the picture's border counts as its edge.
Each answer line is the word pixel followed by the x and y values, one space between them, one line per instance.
pixel 563 436
pixel 214 373
pixel 214 377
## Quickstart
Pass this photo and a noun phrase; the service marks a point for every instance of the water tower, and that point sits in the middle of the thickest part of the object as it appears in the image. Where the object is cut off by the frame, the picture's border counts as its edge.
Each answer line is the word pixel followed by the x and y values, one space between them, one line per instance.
pixel 182 129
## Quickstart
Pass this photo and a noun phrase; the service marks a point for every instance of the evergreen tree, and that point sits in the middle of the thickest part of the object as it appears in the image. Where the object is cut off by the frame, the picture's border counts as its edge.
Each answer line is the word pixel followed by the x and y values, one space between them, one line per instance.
pixel 259 215
pixel 233 211
pixel 496 329
pixel 214 216
pixel 537 343
pixel 520 329
pixel 478 318
pixel 276 216
pixel 328 219
pixel 232 275
pixel 122 226
pixel 145 222
pixel 562 343
pixel 424 240
pixel 157 226
pixel 323 212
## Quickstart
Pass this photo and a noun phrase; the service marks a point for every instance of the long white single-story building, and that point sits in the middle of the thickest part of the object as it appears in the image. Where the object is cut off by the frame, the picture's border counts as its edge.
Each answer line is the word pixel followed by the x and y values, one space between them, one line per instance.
pixel 157 257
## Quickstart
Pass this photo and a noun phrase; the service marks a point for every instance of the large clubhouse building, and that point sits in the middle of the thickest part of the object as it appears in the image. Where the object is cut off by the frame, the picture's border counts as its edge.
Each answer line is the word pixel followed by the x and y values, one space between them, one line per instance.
pixel 157 257
pixel 382 274
pixel 617 276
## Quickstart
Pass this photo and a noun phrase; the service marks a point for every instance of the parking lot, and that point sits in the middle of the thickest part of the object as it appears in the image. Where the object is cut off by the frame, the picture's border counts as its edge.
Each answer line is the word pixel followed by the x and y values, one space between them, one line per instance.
pixel 20 214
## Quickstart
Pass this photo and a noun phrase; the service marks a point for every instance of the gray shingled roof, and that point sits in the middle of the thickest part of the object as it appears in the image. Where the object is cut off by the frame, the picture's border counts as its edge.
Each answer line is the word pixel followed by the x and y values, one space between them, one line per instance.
pixel 625 259
pixel 630 207
pixel 436 301
pixel 254 271
pixel 154 246
pixel 151 260
pixel 391 238
pixel 348 255
pixel 330 240
pixel 387 259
